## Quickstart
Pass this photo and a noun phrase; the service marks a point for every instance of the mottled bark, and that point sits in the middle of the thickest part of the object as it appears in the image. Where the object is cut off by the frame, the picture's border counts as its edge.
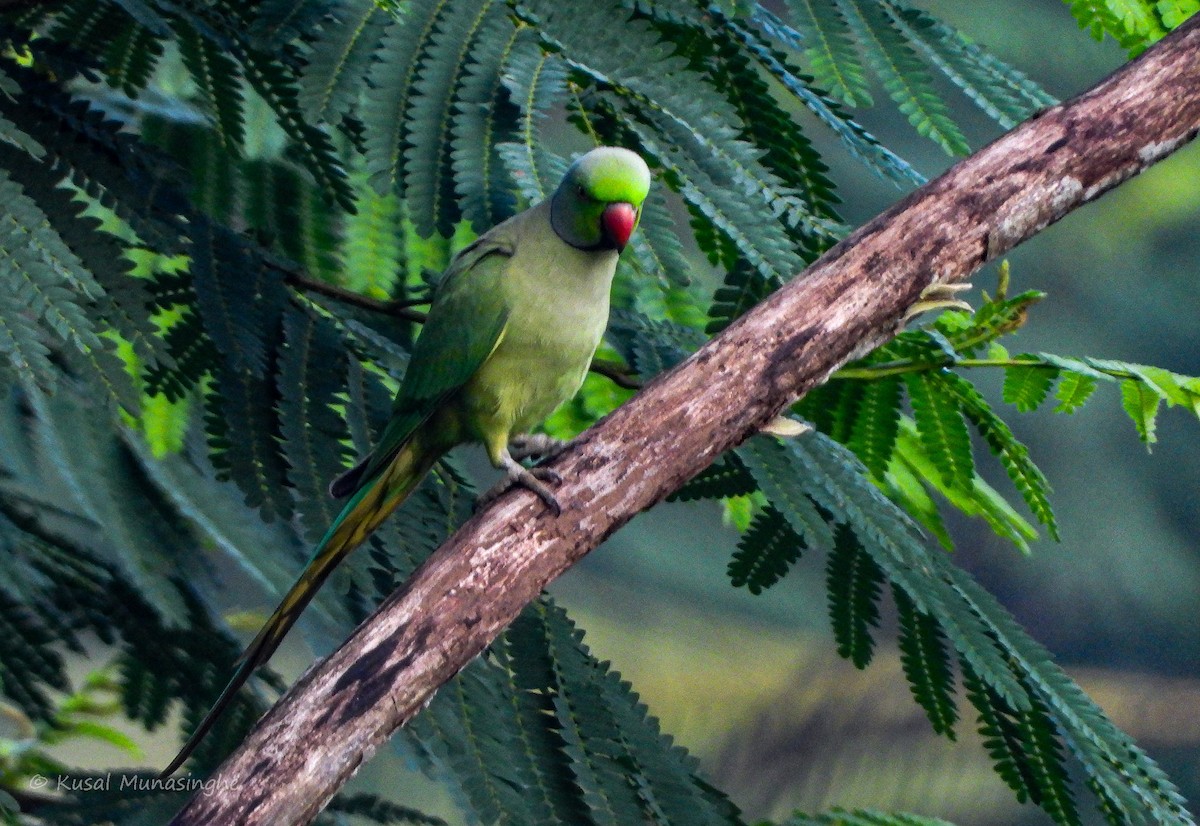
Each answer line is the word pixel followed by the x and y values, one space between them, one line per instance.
pixel 344 708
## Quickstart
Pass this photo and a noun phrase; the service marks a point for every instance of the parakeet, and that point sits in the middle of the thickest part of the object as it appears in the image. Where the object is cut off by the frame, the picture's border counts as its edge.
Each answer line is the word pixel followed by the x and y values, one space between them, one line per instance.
pixel 511 330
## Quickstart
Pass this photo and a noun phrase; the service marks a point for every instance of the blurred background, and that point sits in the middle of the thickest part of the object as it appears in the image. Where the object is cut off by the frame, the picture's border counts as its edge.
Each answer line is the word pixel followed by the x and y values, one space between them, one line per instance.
pixel 752 685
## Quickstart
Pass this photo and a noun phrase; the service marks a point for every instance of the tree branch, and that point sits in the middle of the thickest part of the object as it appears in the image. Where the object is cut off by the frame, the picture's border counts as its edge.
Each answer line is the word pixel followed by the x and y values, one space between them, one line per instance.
pixel 851 300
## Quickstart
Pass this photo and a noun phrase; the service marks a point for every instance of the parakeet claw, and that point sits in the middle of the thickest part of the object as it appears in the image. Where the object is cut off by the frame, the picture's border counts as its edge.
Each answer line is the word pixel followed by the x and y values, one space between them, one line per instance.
pixel 530 478
pixel 535 446
pixel 938 297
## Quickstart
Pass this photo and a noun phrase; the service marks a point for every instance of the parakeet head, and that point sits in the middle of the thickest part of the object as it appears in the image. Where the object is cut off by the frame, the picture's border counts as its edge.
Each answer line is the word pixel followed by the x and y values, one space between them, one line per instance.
pixel 599 202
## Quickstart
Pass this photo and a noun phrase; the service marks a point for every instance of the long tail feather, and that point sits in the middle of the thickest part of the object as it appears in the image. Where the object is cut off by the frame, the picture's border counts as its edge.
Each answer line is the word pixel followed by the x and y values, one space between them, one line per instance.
pixel 362 515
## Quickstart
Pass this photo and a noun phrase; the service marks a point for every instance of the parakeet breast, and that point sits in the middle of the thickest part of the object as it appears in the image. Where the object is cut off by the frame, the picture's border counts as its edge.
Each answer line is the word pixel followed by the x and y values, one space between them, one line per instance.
pixel 557 299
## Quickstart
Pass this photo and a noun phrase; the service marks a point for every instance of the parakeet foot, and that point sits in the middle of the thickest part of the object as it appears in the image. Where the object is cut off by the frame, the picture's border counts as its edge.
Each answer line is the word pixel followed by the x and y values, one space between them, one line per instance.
pixel 530 478
pixel 938 297
pixel 535 446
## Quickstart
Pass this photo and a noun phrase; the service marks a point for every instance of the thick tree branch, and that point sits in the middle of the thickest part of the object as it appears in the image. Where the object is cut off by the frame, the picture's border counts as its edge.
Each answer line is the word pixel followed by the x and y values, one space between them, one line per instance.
pixel 344 708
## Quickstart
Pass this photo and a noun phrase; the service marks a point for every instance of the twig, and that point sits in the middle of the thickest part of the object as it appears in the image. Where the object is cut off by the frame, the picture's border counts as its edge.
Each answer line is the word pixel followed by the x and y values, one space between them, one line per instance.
pixel 619 375
pixel 397 309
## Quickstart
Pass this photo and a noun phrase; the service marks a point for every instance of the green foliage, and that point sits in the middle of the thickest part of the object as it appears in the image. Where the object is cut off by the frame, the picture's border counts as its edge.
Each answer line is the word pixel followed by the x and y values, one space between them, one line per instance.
pixel 902 73
pixel 375 810
pixel 836 64
pixel 77 715
pixel 926 664
pixel 861 817
pixel 1135 24
pixel 724 478
pixel 853 582
pixel 539 731
pixel 766 551
pixel 214 227
pixel 1002 92
pixel 940 426
pixel 932 450
pixel 1027 387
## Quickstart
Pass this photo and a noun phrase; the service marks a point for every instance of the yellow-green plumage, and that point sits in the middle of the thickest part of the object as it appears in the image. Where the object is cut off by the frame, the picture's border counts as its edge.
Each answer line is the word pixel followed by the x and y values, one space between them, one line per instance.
pixel 554 326
pixel 509 337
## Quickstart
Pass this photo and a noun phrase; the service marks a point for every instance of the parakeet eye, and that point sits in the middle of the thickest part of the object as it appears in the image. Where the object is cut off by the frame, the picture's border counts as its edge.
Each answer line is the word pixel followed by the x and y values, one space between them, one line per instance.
pixel 581 191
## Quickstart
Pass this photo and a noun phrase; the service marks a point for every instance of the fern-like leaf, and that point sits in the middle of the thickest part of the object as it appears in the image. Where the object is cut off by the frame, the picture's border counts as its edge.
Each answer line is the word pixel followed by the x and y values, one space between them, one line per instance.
pixel 833 408
pixel 226 299
pixel 1001 737
pixel 858 141
pixel 1135 24
pixel 976 499
pixel 877 425
pixel 853 582
pixel 429 181
pixel 774 470
pixel 651 347
pixel 100 482
pixel 118 299
pixel 277 85
pixel 217 77
pixel 926 664
pixel 192 356
pixel 447 741
pixel 940 425
pixel 1027 387
pixel 836 64
pixel 628 755
pixel 725 477
pixel 390 87
pixel 1045 752
pixel 765 552
pixel 484 117
pixel 244 440
pixel 903 74
pixel 535 80
pixel 1141 402
pixel 40 277
pixel 372 250
pixel 1073 392
pixel 1129 780
pixel 1006 95
pixel 29 663
pixel 1025 475
pixel 131 57
pixel 836 481
pixel 744 287
pixel 787 152
pixel 340 55
pixel 538 697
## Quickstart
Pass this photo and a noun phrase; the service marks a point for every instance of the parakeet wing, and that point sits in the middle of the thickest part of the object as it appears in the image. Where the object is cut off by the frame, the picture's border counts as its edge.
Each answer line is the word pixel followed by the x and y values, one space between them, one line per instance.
pixel 466 321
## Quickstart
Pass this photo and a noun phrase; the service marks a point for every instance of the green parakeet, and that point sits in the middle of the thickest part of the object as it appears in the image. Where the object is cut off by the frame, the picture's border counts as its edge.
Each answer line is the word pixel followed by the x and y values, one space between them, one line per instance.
pixel 511 331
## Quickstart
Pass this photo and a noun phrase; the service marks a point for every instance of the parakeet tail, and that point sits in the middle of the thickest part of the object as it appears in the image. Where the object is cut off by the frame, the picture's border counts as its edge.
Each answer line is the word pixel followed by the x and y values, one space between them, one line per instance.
pixel 362 515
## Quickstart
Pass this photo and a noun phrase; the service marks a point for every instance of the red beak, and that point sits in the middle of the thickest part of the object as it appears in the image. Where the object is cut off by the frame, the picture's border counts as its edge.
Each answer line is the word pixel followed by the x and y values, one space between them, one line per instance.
pixel 619 220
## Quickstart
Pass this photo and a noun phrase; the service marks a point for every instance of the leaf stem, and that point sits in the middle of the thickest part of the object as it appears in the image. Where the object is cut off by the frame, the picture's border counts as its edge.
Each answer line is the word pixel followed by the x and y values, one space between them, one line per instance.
pixel 398 309
pixel 897 368
pixel 615 372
